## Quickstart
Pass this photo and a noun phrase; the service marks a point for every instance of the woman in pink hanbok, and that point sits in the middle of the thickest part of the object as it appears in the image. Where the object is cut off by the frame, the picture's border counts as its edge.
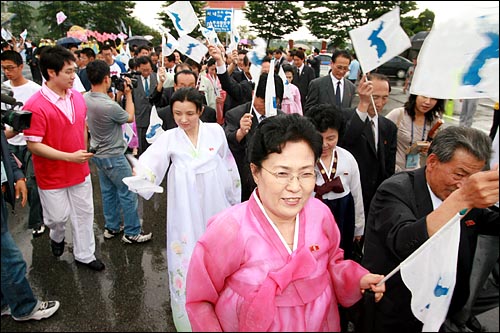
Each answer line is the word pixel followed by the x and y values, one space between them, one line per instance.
pixel 291 96
pixel 273 263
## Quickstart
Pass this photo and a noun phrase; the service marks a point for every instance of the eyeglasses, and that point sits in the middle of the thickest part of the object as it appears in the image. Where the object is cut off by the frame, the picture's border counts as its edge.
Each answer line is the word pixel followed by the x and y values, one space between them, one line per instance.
pixel 9 68
pixel 285 178
pixel 342 68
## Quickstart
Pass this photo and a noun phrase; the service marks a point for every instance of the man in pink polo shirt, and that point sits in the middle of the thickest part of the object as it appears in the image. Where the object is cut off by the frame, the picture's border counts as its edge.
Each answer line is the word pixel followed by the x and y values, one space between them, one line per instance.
pixel 57 139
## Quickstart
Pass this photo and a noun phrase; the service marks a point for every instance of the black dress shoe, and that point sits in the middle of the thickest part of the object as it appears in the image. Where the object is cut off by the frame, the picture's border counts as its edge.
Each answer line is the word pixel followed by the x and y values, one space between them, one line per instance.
pixel 57 248
pixel 474 325
pixel 95 265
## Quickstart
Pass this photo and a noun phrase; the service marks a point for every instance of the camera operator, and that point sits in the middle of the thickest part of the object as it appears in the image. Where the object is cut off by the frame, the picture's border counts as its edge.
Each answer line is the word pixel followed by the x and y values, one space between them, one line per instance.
pixel 22 89
pixel 104 119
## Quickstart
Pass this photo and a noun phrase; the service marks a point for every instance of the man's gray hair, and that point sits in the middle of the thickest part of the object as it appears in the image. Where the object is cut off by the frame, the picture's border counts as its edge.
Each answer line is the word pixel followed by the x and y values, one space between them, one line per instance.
pixel 453 138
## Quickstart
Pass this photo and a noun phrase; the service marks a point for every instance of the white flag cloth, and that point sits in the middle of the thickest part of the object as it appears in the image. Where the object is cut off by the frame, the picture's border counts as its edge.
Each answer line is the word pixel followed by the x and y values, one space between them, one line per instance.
pixel 234 37
pixel 271 108
pixel 192 48
pixel 183 17
pixel 430 273
pixel 459 59
pixel 379 41
pixel 128 133
pixel 154 128
pixel 60 17
pixel 6 34
pixel 210 34
pixel 170 45
pixel 24 34
pixel 256 55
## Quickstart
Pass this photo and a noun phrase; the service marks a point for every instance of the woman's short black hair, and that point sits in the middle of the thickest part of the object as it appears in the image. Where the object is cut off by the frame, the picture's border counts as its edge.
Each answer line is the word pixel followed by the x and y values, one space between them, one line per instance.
pixel 325 116
pixel 275 132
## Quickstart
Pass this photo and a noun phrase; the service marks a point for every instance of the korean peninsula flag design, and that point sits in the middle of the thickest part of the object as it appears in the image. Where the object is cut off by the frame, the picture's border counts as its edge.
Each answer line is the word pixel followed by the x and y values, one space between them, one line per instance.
pixel 271 106
pixel 183 16
pixel 128 133
pixel 210 34
pixel 379 41
pixel 169 44
pixel 459 59
pixel 154 128
pixel 256 55
pixel 192 48
pixel 429 273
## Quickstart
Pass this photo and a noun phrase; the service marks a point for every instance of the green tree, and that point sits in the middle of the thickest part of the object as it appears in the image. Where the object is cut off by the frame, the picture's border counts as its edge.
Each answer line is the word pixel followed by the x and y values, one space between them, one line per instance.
pixel 24 15
pixel 273 19
pixel 199 9
pixel 332 20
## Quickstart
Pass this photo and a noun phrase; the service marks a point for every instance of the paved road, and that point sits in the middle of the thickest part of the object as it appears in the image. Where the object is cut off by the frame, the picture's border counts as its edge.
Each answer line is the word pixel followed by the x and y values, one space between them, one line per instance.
pixel 131 294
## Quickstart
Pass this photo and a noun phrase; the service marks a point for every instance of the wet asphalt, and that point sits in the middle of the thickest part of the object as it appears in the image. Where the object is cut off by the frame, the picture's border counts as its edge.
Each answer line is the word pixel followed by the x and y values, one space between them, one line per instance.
pixel 131 294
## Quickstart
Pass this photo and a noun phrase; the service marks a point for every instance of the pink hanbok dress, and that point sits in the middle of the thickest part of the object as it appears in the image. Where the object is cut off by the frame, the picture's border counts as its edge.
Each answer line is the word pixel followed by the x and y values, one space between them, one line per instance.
pixel 243 277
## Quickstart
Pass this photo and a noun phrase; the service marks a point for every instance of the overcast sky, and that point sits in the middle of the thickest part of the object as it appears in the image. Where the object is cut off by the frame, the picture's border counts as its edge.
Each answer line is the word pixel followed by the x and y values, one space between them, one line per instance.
pixel 146 12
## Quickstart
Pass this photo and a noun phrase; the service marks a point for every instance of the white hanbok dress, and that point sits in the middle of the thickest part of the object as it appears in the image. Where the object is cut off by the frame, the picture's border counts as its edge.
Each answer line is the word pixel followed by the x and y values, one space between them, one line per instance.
pixel 202 181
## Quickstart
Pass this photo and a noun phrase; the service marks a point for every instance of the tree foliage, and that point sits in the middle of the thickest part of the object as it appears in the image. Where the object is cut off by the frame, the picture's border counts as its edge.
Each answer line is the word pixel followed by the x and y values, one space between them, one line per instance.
pixel 199 9
pixel 24 15
pixel 273 19
pixel 332 20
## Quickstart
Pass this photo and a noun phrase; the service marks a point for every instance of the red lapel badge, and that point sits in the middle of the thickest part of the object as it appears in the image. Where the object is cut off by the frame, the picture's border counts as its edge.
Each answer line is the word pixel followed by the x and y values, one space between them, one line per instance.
pixel 314 247
pixel 470 223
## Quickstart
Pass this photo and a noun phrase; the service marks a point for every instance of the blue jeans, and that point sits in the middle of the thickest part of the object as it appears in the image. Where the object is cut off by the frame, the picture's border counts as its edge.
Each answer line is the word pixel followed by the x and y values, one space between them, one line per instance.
pixel 16 290
pixel 116 198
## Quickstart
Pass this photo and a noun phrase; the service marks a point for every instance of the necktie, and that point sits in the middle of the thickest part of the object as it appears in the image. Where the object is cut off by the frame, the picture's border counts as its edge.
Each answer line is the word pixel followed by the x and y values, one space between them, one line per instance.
pixel 146 87
pixel 262 117
pixel 373 132
pixel 338 101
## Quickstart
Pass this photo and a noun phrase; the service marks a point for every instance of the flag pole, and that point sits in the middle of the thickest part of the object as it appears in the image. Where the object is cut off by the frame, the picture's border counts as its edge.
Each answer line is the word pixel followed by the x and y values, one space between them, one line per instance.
pixel 454 219
pixel 371 98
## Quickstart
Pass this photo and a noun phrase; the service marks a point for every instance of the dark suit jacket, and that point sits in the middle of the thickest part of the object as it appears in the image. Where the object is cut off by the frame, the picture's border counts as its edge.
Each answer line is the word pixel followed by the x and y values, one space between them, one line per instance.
pixel 141 101
pixel 239 149
pixel 395 228
pixel 302 81
pixel 321 91
pixel 13 173
pixel 237 92
pixel 315 64
pixel 165 113
pixel 374 165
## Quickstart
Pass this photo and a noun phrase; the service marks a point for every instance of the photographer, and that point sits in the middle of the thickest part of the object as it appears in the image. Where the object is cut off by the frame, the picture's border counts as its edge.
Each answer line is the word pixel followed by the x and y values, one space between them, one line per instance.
pixel 104 119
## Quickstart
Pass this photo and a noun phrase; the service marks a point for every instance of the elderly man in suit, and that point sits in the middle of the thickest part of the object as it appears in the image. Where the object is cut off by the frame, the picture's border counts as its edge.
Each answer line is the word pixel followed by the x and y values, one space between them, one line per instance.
pixel 412 206
pixel 146 83
pixel 333 88
pixel 371 137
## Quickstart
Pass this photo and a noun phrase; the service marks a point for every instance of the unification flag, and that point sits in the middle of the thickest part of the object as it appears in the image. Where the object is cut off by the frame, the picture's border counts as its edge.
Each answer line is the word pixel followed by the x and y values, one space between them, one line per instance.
pixel 154 128
pixel 234 36
pixel 60 17
pixel 6 34
pixel 24 34
pixel 256 55
pixel 128 133
pixel 430 272
pixel 210 34
pixel 192 48
pixel 379 41
pixel 183 17
pixel 459 59
pixel 271 107
pixel 170 45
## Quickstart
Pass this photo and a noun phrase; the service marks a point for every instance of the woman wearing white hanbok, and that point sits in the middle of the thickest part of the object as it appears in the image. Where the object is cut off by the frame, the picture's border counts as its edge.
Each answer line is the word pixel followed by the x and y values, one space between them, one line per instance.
pixel 202 180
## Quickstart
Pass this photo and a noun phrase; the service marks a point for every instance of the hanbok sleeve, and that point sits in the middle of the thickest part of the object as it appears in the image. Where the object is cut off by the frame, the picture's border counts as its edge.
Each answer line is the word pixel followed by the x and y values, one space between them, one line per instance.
pixel 156 159
pixel 345 274
pixel 217 254
pixel 232 190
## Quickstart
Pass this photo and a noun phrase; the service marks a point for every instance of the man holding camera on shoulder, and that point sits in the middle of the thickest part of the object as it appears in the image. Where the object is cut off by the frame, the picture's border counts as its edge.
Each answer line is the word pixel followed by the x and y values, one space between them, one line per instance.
pixel 105 118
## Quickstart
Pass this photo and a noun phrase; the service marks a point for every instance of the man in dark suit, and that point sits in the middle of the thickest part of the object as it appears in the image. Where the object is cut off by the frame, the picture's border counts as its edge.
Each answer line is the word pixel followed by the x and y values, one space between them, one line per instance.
pixel 411 206
pixel 373 146
pixel 315 62
pixel 280 60
pixel 240 124
pixel 146 83
pixel 303 75
pixel 323 90
pixel 182 79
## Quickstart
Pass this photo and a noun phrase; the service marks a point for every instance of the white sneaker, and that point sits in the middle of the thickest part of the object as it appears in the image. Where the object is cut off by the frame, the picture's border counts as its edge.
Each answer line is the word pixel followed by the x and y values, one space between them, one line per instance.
pixel 45 310
pixel 140 238
pixel 6 310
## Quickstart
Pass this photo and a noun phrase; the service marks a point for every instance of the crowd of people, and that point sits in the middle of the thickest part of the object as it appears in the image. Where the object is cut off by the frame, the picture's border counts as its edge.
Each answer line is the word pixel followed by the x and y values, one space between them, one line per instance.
pixel 317 203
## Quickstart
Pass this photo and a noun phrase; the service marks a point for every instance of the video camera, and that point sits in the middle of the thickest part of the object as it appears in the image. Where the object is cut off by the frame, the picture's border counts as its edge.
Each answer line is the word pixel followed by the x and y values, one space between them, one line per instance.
pixel 18 120
pixel 119 82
